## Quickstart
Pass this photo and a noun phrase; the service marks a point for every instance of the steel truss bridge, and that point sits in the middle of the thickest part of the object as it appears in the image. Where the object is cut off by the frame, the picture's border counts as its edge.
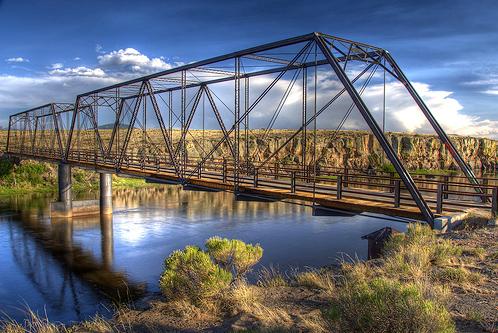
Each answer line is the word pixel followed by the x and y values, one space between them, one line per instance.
pixel 248 122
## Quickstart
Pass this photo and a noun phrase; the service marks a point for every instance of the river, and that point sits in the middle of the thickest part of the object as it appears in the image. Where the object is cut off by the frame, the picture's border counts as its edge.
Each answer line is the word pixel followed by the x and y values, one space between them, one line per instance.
pixel 67 270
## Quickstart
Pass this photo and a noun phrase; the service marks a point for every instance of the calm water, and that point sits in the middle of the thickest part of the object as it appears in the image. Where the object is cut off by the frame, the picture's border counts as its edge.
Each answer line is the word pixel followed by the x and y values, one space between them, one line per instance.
pixel 67 269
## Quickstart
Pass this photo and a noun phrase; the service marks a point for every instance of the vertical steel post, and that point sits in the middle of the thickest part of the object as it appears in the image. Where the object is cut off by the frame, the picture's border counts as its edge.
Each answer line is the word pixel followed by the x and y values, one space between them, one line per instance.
pixel 237 126
pixel 494 202
pixel 224 170
pixel 485 190
pixel 183 154
pixel 339 187
pixel 304 119
pixel 293 182
pixel 346 176
pixel 246 122
pixel 440 197
pixel 397 193
pixel 446 187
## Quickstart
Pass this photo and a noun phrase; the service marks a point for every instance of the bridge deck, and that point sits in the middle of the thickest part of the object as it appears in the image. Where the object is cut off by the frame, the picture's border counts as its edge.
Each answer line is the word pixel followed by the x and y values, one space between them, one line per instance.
pixel 359 192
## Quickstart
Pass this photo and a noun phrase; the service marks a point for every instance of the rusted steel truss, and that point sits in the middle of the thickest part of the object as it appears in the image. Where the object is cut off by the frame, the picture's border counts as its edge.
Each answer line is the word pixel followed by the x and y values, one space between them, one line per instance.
pixel 157 121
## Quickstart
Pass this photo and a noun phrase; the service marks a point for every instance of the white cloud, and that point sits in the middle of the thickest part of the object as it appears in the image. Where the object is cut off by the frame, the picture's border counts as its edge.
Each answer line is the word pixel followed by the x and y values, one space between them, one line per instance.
pixel 57 65
pixel 44 89
pixel 78 71
pixel 493 91
pixel 17 59
pixel 76 58
pixel 130 60
pixel 406 116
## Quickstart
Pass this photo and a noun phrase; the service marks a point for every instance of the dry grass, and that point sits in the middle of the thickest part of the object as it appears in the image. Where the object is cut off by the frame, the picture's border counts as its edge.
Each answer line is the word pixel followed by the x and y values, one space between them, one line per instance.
pixel 38 324
pixel 240 298
pixel 316 279
pixel 271 277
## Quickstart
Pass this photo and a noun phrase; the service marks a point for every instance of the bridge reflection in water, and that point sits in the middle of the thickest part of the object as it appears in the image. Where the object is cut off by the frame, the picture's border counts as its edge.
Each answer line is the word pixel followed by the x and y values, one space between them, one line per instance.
pixel 67 275
pixel 70 268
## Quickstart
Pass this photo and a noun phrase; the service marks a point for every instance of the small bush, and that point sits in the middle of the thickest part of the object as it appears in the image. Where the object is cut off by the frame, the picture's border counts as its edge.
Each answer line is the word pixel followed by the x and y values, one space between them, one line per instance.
pixel 234 255
pixel 383 305
pixel 191 274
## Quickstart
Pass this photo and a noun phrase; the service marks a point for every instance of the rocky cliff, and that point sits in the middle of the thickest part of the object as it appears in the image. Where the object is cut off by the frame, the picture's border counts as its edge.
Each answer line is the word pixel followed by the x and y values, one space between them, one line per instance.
pixel 361 148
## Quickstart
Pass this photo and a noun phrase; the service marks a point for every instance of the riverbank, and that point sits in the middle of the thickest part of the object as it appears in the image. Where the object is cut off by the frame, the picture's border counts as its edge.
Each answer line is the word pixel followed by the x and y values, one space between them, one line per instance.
pixel 21 177
pixel 452 275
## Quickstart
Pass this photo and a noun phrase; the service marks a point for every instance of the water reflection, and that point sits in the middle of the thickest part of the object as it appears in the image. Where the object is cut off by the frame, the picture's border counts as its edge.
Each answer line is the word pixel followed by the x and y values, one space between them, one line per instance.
pixel 73 267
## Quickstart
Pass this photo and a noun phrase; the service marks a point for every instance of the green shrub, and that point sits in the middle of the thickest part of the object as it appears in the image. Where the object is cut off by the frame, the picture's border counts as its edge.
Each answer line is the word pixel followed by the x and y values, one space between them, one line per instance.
pixel 234 255
pixel 191 274
pixel 382 305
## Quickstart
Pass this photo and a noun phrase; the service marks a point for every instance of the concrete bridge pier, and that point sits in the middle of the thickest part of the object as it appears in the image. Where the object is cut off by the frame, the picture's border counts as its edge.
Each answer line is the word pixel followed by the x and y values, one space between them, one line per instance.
pixel 105 193
pixel 64 206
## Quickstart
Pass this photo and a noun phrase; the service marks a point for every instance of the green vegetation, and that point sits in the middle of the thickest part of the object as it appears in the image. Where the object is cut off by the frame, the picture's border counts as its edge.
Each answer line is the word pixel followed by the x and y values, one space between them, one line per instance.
pixel 234 255
pixel 127 182
pixel 33 176
pixel 25 177
pixel 406 290
pixel 384 305
pixel 389 168
pixel 191 275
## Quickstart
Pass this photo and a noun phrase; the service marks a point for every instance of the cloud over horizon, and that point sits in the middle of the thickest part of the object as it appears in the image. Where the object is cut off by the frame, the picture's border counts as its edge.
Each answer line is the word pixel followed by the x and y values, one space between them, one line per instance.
pixel 62 83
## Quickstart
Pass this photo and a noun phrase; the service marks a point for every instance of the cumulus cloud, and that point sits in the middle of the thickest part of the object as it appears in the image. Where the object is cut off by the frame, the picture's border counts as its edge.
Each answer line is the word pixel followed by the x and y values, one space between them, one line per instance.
pixel 44 89
pixel 130 60
pixel 17 59
pixel 407 117
pixel 78 71
pixel 62 84
pixel 76 58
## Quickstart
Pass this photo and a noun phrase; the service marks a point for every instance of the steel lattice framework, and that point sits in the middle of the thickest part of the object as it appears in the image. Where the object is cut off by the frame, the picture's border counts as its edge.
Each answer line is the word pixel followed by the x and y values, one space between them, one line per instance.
pixel 205 118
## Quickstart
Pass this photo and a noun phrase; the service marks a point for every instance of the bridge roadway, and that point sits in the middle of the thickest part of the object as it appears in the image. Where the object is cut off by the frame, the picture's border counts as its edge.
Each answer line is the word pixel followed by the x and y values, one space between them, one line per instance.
pixel 345 189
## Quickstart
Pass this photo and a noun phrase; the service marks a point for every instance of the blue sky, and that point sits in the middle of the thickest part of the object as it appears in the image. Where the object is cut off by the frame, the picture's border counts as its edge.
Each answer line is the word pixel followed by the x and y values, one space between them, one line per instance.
pixel 52 49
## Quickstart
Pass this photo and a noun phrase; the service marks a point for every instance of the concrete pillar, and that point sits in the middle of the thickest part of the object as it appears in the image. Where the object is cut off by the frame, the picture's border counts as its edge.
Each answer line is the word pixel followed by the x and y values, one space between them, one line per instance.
pixel 65 196
pixel 105 193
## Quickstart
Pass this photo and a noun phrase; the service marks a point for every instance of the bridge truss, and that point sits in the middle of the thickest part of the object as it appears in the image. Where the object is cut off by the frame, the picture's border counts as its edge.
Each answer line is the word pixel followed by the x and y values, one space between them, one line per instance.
pixel 238 119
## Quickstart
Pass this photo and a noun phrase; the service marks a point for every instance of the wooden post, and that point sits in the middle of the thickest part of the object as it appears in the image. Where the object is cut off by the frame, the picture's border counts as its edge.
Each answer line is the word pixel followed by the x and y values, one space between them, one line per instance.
pixel 346 173
pixel 293 182
pixel 446 186
pixel 199 171
pixel 440 197
pixel 397 193
pixel 276 170
pixel 494 202
pixel 339 187
pixel 255 179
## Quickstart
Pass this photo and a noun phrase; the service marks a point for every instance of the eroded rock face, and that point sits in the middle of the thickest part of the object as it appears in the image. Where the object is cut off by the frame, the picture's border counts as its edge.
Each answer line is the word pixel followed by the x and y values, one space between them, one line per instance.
pixel 361 149
pixel 357 149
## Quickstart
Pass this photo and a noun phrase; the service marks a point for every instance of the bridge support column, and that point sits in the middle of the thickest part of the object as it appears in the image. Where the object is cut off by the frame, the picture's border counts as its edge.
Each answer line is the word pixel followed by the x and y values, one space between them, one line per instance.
pixel 105 193
pixel 65 195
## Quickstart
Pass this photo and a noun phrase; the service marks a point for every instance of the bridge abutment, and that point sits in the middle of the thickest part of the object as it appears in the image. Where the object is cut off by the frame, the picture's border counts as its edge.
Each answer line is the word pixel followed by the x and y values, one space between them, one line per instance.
pixel 105 193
